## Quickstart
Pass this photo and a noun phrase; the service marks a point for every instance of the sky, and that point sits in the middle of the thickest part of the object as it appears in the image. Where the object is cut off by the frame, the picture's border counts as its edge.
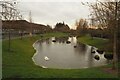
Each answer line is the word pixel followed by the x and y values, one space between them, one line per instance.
pixel 45 12
pixel 53 11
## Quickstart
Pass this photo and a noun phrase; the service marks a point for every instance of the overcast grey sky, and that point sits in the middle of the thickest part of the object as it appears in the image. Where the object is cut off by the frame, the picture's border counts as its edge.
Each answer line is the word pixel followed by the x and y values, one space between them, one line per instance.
pixel 53 12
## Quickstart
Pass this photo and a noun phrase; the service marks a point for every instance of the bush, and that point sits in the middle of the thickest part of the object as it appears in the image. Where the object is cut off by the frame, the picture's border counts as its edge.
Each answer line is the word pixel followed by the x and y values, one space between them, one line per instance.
pixel 108 56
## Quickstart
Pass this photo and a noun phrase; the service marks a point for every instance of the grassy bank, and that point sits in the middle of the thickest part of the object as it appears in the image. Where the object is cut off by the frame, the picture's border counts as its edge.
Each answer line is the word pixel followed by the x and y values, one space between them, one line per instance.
pixel 18 63
pixel 96 42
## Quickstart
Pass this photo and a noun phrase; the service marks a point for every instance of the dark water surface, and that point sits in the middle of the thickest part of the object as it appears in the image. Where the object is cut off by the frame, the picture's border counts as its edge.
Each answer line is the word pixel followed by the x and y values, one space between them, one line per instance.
pixel 61 55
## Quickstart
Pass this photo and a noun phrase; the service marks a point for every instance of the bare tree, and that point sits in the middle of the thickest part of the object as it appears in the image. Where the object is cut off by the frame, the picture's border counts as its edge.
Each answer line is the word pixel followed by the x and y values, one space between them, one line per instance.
pixel 81 25
pixel 30 20
pixel 106 14
pixel 10 13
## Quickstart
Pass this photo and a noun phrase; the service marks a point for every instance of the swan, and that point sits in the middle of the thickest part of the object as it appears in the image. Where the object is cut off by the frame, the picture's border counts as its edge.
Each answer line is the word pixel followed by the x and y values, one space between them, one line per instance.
pixel 44 67
pixel 46 58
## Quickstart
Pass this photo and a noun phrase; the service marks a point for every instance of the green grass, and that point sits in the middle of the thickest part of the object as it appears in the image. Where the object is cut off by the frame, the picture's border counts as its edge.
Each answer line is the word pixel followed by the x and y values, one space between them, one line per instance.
pixel 96 42
pixel 18 63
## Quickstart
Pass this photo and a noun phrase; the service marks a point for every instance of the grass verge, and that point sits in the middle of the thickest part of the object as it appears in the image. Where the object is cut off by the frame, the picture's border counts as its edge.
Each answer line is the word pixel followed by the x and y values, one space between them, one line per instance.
pixel 96 42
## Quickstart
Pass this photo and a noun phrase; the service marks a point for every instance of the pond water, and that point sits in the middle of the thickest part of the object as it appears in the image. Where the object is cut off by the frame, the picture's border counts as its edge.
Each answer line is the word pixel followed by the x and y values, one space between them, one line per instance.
pixel 56 53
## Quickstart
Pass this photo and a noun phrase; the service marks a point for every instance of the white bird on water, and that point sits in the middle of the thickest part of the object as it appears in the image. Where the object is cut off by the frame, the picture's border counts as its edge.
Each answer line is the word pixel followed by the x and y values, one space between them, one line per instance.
pixel 44 67
pixel 46 58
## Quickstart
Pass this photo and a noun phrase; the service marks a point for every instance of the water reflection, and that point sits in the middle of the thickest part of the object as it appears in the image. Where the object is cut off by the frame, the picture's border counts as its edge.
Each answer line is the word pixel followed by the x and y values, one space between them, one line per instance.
pixel 61 40
pixel 65 56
